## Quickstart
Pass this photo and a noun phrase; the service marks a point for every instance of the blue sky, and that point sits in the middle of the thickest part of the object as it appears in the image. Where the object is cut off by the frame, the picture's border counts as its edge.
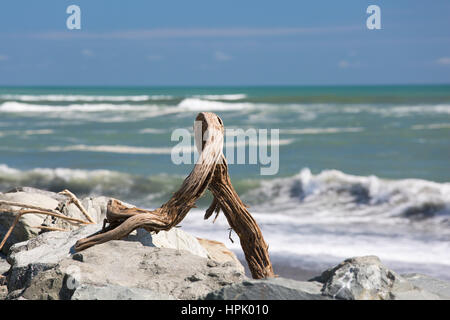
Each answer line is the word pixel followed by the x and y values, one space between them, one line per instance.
pixel 208 42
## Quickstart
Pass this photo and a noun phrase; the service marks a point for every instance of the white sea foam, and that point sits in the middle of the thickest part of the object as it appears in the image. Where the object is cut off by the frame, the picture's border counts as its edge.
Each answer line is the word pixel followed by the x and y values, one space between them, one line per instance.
pixel 112 149
pixel 324 217
pixel 335 197
pixel 194 104
pixel 431 126
pixel 26 132
pixel 229 97
pixel 86 98
pixel 152 130
pixel 320 130
pixel 397 111
pixel 18 107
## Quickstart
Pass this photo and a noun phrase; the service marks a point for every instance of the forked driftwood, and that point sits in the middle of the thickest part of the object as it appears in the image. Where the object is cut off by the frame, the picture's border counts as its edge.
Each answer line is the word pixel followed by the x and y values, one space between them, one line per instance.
pixel 210 172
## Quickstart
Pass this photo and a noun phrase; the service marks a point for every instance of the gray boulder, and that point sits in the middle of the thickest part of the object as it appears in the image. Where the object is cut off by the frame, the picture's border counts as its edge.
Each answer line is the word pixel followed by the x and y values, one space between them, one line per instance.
pixel 270 289
pixel 175 238
pixel 112 267
pixel 3 292
pixel 26 228
pixel 360 278
pixel 47 251
pixel 366 278
pixel 44 252
pixel 111 292
pixel 425 287
pixel 4 265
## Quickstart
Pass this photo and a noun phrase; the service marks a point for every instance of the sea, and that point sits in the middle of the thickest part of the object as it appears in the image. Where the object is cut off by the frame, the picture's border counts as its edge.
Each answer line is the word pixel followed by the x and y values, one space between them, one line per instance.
pixel 362 170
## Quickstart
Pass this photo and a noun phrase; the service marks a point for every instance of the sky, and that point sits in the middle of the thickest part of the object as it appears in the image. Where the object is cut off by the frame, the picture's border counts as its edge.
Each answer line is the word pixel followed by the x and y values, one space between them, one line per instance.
pixel 230 43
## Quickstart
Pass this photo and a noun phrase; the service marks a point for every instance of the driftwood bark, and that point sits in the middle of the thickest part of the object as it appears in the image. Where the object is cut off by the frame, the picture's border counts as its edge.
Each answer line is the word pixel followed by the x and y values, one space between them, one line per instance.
pixel 210 172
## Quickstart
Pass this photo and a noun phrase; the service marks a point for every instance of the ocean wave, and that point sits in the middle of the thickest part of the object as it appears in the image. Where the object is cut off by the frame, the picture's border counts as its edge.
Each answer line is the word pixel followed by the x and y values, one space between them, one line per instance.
pixel 397 111
pixel 335 197
pixel 431 126
pixel 194 104
pixel 118 149
pixel 135 188
pixel 320 130
pixel 152 131
pixel 301 243
pixel 228 97
pixel 86 98
pixel 26 132
pixel 18 107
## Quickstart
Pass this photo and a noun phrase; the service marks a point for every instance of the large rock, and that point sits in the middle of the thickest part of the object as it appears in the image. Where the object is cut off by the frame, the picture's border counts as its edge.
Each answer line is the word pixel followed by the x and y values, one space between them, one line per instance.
pixel 270 289
pixel 3 292
pixel 359 278
pixel 46 251
pixel 366 278
pixel 26 228
pixel 426 286
pixel 111 267
pixel 4 265
pixel 220 253
pixel 111 292
pixel 175 238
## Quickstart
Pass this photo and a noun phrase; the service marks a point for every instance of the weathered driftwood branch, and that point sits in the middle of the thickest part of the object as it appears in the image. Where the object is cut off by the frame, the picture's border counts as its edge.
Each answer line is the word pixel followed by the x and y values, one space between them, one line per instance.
pixel 35 211
pixel 210 172
pixel 31 209
pixel 77 202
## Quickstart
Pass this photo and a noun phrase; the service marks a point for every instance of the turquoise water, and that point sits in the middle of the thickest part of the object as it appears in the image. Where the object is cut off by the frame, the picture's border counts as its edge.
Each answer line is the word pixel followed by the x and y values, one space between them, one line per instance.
pixel 404 130
pixel 362 169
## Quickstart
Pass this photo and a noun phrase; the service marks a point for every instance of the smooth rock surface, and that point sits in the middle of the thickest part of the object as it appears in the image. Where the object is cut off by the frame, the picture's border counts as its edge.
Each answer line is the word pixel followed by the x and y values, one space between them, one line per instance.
pixel 175 238
pixel 111 292
pixel 169 272
pixel 270 289
pixel 437 287
pixel 47 250
pixel 219 252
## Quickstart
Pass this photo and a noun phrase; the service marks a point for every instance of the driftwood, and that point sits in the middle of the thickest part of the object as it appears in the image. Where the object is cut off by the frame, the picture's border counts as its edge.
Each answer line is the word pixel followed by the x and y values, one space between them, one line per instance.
pixel 210 172
pixel 31 209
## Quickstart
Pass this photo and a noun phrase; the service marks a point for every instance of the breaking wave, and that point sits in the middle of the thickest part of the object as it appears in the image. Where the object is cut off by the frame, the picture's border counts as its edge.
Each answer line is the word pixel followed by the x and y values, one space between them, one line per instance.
pixel 335 197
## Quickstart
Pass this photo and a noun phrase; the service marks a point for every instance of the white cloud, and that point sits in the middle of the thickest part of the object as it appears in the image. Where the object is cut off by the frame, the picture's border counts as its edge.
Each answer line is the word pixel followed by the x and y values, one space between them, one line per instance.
pixel 445 61
pixel 344 64
pixel 234 32
pixel 3 57
pixel 222 56
pixel 87 53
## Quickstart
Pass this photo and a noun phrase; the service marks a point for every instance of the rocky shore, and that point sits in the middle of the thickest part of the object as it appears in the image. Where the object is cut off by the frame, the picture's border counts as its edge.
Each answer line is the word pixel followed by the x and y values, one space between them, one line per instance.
pixel 168 265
